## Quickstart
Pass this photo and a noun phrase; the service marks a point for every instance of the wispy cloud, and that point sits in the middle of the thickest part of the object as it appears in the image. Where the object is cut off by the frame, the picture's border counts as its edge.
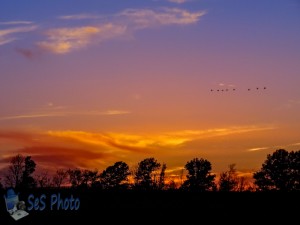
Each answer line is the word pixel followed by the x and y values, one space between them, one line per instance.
pixel 81 16
pixel 66 157
pixel 59 112
pixel 54 151
pixel 23 137
pixel 68 38
pixel 30 116
pixel 115 141
pixel 257 149
pixel 285 146
pixel 144 18
pixel 199 134
pixel 64 40
pixel 226 85
pixel 70 148
pixel 178 1
pixel 17 22
pixel 292 102
pixel 144 142
pixel 116 112
pixel 7 40
pixel 295 144
pixel 6 35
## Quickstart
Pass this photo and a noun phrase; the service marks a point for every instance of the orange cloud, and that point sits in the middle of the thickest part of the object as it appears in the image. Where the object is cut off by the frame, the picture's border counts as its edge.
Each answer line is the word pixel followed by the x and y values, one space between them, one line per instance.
pixel 200 134
pixel 69 148
pixel 116 112
pixel 111 141
pixel 257 149
pixel 64 157
pixel 149 142
pixel 64 40
pixel 60 112
pixel 22 137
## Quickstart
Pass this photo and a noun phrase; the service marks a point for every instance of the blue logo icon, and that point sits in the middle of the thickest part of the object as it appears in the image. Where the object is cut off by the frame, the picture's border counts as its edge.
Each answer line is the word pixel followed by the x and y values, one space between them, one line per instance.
pixel 14 206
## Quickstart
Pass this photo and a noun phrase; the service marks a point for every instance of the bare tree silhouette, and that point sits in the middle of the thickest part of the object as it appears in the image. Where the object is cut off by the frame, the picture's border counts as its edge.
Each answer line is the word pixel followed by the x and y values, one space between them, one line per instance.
pixel 59 177
pixel 20 172
pixel 43 180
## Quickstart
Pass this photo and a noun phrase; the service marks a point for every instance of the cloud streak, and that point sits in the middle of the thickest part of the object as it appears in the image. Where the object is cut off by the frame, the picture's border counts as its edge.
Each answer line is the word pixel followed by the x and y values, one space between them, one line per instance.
pixel 82 16
pixel 145 18
pixel 116 141
pixel 17 22
pixel 65 157
pixel 8 35
pixel 178 1
pixel 73 148
pixel 59 113
pixel 150 142
pixel 30 116
pixel 64 40
pixel 273 147
pixel 257 149
pixel 209 133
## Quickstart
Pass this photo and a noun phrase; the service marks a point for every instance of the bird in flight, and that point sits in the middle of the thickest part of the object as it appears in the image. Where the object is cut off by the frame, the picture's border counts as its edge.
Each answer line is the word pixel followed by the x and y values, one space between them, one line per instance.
pixel 234 89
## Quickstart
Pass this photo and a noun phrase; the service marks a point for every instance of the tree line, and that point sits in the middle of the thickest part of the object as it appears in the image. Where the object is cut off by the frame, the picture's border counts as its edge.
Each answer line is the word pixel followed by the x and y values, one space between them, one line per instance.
pixel 279 172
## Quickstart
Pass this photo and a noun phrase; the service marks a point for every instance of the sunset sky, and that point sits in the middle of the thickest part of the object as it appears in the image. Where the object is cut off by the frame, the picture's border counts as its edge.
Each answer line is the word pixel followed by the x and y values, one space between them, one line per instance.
pixel 88 83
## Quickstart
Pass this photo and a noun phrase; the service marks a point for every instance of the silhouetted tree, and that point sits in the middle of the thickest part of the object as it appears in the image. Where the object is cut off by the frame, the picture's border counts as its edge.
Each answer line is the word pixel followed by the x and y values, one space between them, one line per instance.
pixel 161 182
pixel 75 177
pixel 171 185
pixel 143 175
pixel 15 171
pixel 89 177
pixel 59 178
pixel 280 171
pixel 245 185
pixel 115 176
pixel 1 185
pixel 228 180
pixel 20 172
pixel 199 177
pixel 43 180
pixel 27 180
pixel 82 178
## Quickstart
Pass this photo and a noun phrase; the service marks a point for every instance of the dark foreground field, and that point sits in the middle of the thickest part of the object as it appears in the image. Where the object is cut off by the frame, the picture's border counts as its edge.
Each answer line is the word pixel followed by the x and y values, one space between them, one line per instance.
pixel 99 207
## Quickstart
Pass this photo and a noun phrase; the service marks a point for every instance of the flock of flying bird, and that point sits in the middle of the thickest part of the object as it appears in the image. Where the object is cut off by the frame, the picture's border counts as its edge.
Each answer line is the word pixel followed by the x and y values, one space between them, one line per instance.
pixel 234 89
